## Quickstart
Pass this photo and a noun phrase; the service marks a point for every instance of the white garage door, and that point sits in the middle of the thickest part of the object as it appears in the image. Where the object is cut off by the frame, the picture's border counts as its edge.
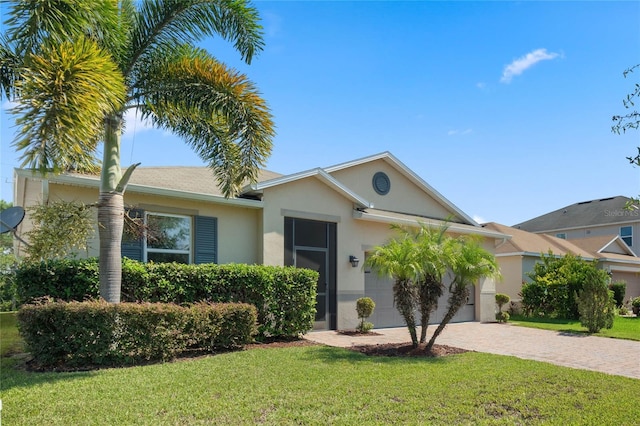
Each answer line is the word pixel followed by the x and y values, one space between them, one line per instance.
pixel 386 315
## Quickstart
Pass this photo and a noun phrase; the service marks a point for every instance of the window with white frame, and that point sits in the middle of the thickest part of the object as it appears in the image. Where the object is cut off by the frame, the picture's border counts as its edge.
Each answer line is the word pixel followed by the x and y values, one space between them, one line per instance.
pixel 168 238
pixel 626 233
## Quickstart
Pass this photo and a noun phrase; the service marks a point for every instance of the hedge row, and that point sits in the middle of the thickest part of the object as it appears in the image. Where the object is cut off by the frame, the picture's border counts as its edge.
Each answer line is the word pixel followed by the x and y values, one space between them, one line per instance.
pixel 80 334
pixel 284 296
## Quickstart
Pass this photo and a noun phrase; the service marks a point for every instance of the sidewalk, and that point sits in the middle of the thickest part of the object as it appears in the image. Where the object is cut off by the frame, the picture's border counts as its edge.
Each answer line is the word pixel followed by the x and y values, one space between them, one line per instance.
pixel 611 356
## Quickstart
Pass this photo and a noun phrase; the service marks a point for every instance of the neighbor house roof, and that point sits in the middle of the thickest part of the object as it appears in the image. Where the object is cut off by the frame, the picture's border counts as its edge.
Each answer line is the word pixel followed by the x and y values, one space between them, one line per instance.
pixel 530 244
pixel 604 211
pixel 523 242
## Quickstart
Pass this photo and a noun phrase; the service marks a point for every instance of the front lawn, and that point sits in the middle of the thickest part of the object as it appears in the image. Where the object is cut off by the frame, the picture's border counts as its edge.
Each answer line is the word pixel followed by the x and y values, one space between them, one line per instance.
pixel 623 327
pixel 321 385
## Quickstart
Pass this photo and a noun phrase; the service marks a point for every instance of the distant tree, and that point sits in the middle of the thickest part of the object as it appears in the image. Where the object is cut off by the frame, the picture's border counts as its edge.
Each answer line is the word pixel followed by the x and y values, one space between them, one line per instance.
pixel 75 67
pixel 630 120
pixel 60 229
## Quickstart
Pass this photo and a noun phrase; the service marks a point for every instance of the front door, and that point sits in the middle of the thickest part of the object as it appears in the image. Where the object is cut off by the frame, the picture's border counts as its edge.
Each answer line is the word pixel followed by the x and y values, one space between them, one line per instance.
pixel 316 260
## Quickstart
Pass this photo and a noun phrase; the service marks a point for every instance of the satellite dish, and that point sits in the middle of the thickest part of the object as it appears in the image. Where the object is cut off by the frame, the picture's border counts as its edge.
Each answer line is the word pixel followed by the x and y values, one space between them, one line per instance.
pixel 10 219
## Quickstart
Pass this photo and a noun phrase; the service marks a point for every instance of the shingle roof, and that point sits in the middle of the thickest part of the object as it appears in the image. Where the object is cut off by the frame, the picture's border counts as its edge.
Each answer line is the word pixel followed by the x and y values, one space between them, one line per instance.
pixel 586 213
pixel 528 242
pixel 189 179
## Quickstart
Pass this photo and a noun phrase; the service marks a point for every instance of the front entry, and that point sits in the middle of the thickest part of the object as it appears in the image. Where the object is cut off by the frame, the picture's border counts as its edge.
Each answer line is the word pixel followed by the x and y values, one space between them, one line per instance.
pixel 312 244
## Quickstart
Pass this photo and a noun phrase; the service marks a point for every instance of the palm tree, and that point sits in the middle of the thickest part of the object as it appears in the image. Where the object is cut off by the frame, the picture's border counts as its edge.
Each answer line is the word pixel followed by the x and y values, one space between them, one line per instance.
pixel 398 259
pixel 469 263
pixel 75 67
pixel 435 253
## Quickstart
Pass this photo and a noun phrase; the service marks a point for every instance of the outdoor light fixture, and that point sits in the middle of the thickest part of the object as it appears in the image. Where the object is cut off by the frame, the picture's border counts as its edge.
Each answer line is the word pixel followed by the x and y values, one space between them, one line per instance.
pixel 354 261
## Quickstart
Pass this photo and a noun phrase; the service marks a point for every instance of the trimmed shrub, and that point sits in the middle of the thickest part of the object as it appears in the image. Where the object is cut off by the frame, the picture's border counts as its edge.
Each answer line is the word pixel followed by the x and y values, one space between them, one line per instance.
pixel 284 296
pixel 501 300
pixel 619 288
pixel 364 308
pixel 96 333
pixel 596 303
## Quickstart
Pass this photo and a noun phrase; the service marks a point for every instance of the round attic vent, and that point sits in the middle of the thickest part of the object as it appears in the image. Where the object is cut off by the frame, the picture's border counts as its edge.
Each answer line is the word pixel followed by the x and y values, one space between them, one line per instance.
pixel 381 183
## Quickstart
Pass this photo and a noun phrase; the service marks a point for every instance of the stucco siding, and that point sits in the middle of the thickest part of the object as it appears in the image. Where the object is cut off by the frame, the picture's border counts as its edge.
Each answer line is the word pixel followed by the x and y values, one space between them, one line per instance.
pixel 633 282
pixel 403 196
pixel 512 276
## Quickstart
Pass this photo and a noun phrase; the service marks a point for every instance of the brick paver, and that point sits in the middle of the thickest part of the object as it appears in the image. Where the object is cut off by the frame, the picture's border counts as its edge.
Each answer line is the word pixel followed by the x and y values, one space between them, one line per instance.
pixel 612 356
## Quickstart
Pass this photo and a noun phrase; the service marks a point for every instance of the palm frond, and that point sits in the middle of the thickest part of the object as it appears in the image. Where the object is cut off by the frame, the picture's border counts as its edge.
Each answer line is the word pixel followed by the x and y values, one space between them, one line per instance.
pixel 9 68
pixel 64 98
pixel 31 22
pixel 218 111
pixel 163 24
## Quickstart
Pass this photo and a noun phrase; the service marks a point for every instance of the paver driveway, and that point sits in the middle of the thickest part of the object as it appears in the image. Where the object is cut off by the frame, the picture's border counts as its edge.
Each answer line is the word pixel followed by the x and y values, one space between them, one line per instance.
pixel 612 356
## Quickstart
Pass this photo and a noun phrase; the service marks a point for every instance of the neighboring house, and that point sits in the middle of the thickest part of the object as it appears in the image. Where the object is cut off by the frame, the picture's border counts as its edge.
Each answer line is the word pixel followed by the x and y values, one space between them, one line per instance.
pixel 606 216
pixel 319 219
pixel 518 255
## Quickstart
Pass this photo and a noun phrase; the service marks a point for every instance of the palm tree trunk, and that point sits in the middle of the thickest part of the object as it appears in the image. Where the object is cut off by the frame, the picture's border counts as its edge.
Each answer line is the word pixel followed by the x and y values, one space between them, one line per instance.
pixel 430 292
pixel 110 225
pixel 457 299
pixel 111 213
pixel 404 299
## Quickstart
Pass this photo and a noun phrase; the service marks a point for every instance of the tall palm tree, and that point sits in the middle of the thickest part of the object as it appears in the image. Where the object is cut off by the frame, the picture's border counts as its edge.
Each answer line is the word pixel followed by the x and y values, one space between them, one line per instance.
pixel 75 67
pixel 398 259
pixel 469 263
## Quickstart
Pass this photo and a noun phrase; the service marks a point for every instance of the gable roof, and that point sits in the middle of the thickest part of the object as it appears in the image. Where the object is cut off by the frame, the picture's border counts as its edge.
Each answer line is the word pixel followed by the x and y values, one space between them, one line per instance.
pixel 604 244
pixel 523 242
pixel 411 176
pixel 531 244
pixel 317 173
pixel 604 211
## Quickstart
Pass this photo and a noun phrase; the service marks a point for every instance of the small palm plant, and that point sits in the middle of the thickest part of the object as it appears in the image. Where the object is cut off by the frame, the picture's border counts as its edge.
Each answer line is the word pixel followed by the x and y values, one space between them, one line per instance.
pixel 364 308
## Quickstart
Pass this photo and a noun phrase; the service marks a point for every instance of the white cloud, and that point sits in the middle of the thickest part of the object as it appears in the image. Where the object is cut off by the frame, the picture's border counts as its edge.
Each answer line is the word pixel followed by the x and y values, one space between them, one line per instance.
pixel 135 124
pixel 525 62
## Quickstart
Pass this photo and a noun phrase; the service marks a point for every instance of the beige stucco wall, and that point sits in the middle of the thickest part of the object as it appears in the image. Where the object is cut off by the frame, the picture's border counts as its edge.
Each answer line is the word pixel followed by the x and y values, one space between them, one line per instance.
pixel 512 276
pixel 312 199
pixel 631 278
pixel 238 227
pixel 404 196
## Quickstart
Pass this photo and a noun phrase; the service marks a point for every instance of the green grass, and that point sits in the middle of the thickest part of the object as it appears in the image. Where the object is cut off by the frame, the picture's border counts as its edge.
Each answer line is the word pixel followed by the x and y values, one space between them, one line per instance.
pixel 318 385
pixel 10 341
pixel 623 327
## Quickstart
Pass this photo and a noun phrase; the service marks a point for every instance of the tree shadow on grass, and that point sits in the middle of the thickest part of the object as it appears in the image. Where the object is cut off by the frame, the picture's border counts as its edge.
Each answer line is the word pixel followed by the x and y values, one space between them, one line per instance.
pixel 384 353
pixel 14 374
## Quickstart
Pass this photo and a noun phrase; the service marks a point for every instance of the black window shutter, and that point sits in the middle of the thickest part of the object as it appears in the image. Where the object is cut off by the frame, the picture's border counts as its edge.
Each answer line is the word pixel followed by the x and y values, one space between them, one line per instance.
pixel 205 239
pixel 133 248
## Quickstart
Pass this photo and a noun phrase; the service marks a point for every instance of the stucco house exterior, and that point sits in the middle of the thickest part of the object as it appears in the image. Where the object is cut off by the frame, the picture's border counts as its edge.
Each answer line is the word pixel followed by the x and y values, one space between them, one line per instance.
pixel 518 255
pixel 320 218
pixel 593 218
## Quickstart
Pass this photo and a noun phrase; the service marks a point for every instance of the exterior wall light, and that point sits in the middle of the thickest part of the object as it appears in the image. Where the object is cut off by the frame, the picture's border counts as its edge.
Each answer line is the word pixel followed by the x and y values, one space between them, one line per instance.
pixel 354 261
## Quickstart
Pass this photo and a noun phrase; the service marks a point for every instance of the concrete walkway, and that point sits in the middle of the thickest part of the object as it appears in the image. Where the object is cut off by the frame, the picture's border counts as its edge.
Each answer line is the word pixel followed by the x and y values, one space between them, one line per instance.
pixel 611 356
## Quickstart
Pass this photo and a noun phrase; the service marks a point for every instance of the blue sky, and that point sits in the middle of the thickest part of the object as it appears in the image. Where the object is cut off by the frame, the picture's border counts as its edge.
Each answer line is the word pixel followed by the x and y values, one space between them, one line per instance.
pixel 503 107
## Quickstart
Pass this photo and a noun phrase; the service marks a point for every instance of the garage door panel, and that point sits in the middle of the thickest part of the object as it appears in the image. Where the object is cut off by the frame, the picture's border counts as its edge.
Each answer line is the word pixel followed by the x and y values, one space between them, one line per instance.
pixel 380 289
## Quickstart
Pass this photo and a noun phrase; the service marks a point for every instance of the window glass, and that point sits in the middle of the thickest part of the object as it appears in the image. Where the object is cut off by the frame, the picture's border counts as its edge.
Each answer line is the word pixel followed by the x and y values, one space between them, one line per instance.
pixel 168 238
pixel 562 235
pixel 626 232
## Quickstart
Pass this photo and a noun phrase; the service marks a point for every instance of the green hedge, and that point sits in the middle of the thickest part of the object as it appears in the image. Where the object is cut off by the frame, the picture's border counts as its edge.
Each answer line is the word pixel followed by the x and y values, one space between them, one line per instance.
pixel 96 333
pixel 284 296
